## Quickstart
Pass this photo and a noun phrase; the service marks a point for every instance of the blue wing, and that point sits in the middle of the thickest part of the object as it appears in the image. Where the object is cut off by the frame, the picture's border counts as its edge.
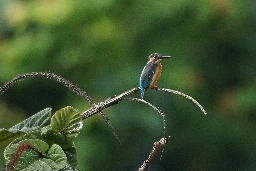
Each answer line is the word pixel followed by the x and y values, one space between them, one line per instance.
pixel 147 76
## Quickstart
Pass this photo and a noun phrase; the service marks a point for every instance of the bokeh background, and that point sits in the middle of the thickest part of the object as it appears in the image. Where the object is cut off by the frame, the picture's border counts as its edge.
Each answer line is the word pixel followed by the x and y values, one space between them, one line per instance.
pixel 102 46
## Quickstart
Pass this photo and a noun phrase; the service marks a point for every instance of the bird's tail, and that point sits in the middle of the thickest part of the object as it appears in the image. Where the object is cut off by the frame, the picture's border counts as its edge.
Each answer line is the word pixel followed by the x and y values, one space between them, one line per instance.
pixel 142 92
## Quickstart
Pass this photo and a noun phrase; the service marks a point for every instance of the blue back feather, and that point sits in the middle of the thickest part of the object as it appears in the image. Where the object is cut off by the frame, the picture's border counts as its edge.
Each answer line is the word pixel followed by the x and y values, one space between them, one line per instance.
pixel 147 76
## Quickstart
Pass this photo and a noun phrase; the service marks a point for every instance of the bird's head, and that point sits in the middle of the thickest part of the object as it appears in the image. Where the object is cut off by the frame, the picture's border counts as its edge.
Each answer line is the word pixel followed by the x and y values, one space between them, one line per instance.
pixel 157 57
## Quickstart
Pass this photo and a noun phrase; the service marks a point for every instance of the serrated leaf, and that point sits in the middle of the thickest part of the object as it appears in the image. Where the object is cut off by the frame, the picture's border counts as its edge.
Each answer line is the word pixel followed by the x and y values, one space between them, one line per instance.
pixel 65 126
pixel 34 122
pixel 67 121
pixel 37 159
pixel 55 160
pixel 57 155
pixel 27 154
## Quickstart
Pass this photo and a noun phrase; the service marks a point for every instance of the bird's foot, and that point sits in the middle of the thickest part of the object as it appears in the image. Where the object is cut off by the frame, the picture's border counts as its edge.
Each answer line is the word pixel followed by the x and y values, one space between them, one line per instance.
pixel 155 88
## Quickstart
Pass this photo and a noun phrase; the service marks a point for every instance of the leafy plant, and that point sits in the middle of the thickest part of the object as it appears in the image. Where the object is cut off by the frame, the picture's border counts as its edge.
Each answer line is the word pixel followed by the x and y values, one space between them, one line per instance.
pixel 45 141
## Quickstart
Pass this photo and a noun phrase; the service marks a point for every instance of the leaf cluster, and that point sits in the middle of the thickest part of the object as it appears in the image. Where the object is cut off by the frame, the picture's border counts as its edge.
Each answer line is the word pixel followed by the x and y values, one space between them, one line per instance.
pixel 43 141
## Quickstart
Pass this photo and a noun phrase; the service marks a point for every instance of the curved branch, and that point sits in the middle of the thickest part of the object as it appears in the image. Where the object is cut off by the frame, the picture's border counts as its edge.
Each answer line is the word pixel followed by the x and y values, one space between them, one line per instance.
pixel 50 76
pixel 154 107
pixel 184 95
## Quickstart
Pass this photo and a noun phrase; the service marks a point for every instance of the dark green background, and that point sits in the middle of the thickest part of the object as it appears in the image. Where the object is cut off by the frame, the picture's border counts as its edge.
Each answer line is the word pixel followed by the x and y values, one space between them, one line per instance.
pixel 102 46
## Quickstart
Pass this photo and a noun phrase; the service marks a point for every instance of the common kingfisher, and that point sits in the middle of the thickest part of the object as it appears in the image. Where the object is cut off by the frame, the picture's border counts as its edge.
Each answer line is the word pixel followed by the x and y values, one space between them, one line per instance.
pixel 151 72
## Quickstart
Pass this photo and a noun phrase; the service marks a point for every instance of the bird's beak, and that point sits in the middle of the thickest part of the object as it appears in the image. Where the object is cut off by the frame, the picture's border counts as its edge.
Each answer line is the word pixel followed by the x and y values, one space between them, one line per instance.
pixel 166 57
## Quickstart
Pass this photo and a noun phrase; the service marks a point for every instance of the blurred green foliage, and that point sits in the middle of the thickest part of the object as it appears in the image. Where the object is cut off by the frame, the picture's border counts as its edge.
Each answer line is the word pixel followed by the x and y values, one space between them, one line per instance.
pixel 102 47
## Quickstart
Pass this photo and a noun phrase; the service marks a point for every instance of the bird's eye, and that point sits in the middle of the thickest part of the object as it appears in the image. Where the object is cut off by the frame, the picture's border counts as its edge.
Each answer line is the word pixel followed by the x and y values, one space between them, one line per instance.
pixel 155 55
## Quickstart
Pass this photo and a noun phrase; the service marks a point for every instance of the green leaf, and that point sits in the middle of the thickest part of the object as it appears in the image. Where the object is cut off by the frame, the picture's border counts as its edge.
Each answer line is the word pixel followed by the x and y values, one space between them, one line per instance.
pixel 55 160
pixel 57 155
pixel 52 138
pixel 40 157
pixel 67 121
pixel 64 127
pixel 34 122
pixel 72 159
pixel 6 137
pixel 27 155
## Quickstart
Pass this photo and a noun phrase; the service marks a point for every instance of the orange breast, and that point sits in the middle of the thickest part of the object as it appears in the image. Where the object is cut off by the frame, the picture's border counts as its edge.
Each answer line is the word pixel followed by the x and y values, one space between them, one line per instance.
pixel 156 75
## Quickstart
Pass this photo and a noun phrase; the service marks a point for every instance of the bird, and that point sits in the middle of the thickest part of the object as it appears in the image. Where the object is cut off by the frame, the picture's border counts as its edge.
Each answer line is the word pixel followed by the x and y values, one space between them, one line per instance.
pixel 151 72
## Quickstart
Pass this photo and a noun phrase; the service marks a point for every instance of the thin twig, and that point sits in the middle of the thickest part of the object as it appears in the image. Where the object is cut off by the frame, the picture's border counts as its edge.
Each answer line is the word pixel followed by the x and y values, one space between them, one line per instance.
pixel 157 146
pixel 105 118
pixel 50 76
pixel 154 107
pixel 184 95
